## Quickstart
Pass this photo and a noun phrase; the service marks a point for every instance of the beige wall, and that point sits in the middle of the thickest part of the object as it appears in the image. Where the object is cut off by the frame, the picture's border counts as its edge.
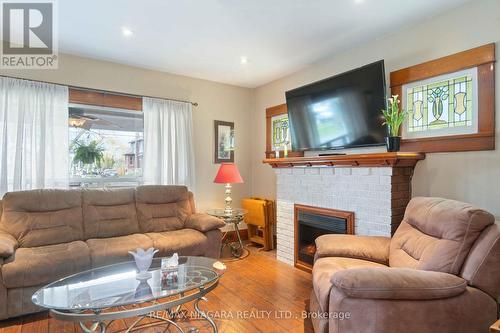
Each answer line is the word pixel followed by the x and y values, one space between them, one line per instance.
pixel 216 102
pixel 469 176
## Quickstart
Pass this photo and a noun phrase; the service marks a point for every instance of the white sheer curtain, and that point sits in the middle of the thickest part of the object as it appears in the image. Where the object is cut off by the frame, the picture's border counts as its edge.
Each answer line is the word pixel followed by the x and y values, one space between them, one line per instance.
pixel 33 135
pixel 168 143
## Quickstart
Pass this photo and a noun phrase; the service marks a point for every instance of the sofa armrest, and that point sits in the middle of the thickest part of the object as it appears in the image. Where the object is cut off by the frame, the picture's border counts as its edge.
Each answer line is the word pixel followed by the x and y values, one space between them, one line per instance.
pixel 8 244
pixel 397 283
pixel 203 222
pixel 372 248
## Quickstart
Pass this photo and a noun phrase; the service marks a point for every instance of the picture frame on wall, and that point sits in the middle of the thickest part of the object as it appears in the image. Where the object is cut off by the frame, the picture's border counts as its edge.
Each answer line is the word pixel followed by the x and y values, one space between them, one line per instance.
pixel 223 141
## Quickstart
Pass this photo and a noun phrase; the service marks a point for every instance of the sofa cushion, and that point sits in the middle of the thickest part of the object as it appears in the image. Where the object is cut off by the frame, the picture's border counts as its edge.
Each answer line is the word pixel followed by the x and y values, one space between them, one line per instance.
pixel 397 283
pixel 203 222
pixel 106 251
pixel 323 270
pixel 162 208
pixel 372 248
pixel 109 213
pixel 186 242
pixel 481 268
pixel 437 234
pixel 45 264
pixel 8 244
pixel 43 217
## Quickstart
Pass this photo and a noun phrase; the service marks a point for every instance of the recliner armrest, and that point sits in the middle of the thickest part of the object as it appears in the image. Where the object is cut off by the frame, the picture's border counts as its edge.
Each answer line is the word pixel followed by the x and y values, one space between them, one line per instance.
pixel 8 244
pixel 372 248
pixel 397 283
pixel 203 222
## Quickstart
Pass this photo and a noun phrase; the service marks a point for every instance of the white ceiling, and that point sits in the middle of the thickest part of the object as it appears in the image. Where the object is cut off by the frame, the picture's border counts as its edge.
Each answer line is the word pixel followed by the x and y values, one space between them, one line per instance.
pixel 207 38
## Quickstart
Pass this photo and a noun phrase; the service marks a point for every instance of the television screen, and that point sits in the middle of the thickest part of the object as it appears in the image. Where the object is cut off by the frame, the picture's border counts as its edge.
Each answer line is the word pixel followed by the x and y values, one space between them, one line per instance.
pixel 342 111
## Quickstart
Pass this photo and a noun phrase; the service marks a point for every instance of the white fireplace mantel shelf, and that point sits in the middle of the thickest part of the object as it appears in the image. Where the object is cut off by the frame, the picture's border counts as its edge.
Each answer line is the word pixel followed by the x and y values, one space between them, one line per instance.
pixel 393 159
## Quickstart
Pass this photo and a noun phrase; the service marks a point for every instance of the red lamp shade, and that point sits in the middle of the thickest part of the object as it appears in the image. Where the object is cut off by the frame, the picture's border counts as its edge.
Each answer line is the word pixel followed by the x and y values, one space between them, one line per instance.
pixel 228 173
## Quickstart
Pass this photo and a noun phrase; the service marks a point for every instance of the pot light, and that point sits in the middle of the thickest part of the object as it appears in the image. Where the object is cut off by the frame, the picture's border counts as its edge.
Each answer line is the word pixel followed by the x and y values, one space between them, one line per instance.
pixel 127 32
pixel 359 1
pixel 243 60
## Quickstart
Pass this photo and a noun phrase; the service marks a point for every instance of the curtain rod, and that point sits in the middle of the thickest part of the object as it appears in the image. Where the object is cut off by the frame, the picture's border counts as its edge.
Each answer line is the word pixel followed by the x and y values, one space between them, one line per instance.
pixel 195 104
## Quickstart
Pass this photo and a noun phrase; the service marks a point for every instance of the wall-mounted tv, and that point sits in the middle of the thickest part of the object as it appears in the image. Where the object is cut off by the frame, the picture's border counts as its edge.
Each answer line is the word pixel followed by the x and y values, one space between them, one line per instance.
pixel 343 111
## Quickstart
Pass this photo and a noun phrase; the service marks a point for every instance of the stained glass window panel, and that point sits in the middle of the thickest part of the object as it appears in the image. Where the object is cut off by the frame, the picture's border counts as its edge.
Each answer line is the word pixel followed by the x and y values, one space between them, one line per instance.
pixel 443 104
pixel 280 132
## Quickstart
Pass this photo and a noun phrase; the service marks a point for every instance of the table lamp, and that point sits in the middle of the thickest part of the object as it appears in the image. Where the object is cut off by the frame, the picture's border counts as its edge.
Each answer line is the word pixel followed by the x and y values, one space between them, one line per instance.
pixel 228 174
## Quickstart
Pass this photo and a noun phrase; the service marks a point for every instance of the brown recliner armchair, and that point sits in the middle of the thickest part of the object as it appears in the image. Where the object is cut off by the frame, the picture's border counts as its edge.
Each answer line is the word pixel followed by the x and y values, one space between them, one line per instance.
pixel 439 273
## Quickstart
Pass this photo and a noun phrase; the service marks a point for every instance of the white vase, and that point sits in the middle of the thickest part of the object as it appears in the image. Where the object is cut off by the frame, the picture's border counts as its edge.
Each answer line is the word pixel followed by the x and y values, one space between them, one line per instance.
pixel 143 260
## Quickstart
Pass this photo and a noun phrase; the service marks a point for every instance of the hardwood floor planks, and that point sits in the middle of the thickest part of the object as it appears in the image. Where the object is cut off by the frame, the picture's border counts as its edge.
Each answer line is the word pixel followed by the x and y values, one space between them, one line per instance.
pixel 249 287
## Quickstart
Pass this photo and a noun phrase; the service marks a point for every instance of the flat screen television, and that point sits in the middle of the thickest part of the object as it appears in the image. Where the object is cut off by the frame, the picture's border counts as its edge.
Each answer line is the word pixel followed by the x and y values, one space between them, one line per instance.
pixel 343 111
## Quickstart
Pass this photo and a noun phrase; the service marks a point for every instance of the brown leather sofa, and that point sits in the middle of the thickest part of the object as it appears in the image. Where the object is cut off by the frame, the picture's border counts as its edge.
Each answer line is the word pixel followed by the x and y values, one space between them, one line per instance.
pixel 439 273
pixel 48 234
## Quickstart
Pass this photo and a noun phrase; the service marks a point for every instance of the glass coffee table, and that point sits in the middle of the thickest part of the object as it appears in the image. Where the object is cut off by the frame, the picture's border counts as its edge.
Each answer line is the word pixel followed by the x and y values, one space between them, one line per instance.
pixel 97 297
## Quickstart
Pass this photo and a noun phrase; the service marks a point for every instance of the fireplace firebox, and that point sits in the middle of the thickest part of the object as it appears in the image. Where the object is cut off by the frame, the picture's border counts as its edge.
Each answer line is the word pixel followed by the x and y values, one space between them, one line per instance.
pixel 312 222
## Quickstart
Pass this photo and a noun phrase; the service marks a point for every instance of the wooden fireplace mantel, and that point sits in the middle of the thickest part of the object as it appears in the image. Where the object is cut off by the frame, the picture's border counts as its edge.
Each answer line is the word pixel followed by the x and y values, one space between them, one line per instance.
pixel 398 159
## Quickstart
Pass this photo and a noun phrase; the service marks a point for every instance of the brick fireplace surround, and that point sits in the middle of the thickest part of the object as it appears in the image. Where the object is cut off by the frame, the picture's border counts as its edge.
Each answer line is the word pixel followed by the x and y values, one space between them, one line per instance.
pixel 376 189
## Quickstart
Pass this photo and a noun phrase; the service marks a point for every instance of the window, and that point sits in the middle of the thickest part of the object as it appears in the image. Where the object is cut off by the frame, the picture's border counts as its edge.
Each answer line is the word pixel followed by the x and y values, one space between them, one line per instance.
pixel 280 132
pixel 444 105
pixel 106 146
pixel 451 101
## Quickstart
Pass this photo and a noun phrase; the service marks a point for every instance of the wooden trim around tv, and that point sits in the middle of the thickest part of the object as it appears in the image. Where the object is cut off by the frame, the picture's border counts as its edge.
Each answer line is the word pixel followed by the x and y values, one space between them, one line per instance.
pixel 483 58
pixel 270 113
pixel 106 99
pixel 343 214
pixel 466 59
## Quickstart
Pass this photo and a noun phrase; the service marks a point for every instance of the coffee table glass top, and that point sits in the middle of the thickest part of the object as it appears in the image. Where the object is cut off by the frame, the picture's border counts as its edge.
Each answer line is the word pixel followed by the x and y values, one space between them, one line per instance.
pixel 117 285
pixel 219 212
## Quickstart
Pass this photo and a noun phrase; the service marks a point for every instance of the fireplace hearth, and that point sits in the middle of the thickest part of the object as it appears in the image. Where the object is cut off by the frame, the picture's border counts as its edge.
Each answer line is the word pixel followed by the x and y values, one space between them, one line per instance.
pixel 312 222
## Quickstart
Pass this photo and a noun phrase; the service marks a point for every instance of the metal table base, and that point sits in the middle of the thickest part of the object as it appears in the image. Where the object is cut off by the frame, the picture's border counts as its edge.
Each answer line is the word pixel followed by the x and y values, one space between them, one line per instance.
pixel 99 320
pixel 237 246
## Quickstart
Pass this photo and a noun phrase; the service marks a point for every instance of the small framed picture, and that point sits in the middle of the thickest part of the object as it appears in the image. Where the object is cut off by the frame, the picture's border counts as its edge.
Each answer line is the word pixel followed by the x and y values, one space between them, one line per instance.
pixel 224 141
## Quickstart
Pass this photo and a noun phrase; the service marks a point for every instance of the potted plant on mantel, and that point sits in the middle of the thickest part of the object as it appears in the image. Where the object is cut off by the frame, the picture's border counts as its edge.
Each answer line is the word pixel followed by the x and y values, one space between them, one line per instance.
pixel 394 118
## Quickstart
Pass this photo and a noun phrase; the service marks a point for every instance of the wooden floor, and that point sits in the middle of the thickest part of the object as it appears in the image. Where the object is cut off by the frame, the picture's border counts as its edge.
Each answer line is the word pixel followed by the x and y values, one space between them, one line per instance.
pixel 256 294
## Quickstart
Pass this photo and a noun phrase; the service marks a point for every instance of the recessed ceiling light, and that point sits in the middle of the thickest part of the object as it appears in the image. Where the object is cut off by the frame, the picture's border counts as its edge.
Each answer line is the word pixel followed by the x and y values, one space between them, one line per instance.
pixel 244 60
pixel 359 1
pixel 127 32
